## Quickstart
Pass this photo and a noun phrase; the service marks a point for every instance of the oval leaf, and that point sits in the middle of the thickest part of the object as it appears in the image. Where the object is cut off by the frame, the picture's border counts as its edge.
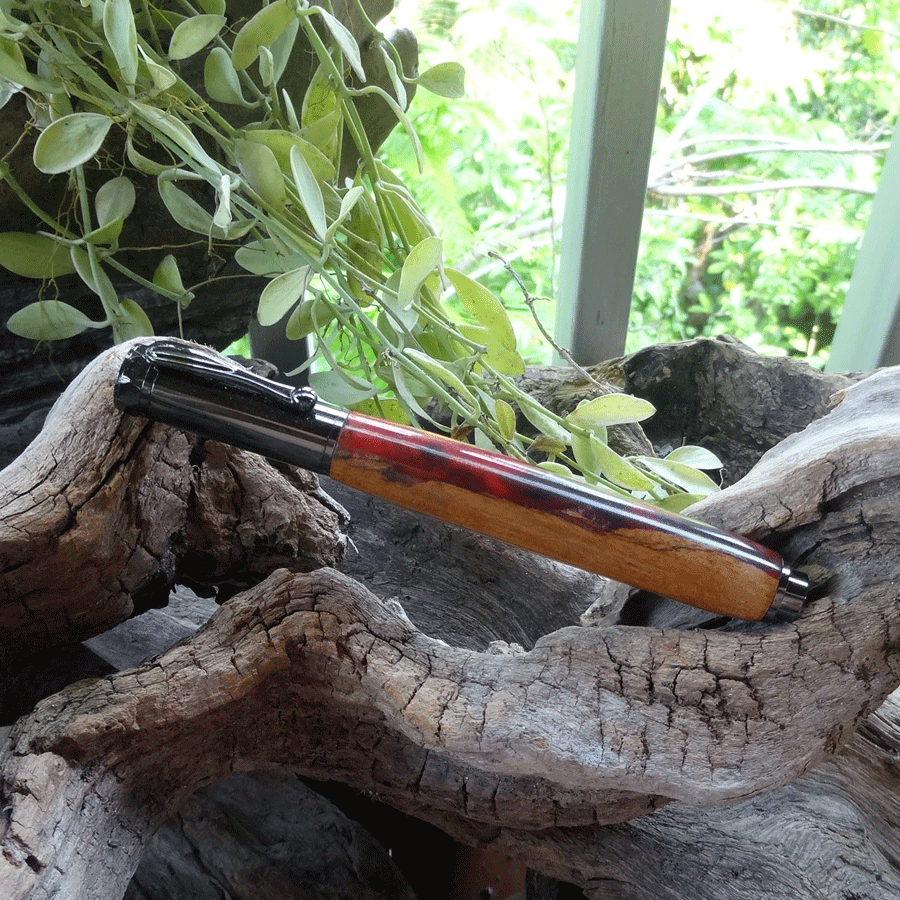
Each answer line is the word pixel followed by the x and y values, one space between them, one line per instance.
pixel 309 191
pixel 690 479
pixel 261 30
pixel 260 168
pixel 617 469
pixel 446 79
pixel 121 34
pixel 486 309
pixel 441 372
pixel 320 100
pixel 158 121
pixel 541 419
pixel 163 78
pixel 130 322
pixel 167 275
pixel 48 320
pixel 281 293
pixel 34 255
pixel 12 68
pixel 114 200
pixel 184 209
pixel 506 419
pixel 194 34
pixel 220 78
pixel 696 457
pixel 345 40
pixel 611 409
pixel 70 141
pixel 334 387
pixel 422 261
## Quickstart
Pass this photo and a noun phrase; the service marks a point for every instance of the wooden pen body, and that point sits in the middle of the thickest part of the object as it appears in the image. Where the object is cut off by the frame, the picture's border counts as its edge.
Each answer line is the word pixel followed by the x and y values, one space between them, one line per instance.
pixel 531 508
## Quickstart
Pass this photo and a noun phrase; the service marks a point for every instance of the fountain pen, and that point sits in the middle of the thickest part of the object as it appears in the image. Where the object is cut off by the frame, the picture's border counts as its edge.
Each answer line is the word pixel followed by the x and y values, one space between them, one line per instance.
pixel 197 390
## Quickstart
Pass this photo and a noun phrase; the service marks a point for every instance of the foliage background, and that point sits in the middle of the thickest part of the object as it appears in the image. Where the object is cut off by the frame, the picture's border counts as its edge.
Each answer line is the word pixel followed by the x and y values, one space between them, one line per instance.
pixel 771 131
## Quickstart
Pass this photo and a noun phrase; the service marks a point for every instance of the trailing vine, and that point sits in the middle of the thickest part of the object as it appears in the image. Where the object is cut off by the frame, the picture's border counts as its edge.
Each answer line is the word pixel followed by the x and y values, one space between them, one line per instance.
pixel 353 260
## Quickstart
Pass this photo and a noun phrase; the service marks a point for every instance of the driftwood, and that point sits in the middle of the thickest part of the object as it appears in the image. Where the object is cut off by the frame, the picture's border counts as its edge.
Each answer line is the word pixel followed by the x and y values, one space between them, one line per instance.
pixel 764 753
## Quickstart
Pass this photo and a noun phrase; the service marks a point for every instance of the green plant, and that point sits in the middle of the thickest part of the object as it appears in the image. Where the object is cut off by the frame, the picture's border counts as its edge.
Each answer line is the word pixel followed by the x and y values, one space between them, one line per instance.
pixel 354 260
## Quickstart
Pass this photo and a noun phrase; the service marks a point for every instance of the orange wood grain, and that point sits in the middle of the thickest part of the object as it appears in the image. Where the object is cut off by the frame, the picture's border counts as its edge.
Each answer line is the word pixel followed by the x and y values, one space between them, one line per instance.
pixel 556 517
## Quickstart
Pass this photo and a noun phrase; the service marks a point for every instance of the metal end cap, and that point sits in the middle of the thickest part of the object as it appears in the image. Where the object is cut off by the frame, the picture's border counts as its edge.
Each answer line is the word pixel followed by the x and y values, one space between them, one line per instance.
pixel 791 594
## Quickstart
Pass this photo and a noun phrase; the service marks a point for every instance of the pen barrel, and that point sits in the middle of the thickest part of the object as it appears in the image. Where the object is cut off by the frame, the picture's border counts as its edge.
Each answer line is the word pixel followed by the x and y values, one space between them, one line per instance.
pixel 530 508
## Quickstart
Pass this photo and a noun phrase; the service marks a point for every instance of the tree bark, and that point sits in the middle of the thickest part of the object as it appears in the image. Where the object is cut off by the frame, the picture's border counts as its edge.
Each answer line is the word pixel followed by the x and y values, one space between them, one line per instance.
pixel 517 725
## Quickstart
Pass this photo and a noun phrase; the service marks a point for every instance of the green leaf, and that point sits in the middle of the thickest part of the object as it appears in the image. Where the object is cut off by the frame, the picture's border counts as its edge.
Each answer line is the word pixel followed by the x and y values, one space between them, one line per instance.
pixel 506 419
pixel 163 78
pixel 441 372
pixel 400 94
pixel 309 191
pixel 34 255
pixel 281 293
pixel 192 216
pixel 130 321
pixel 414 225
pixel 611 409
pixel 557 468
pixel 266 259
pixel 320 100
pixel 544 444
pixel 504 360
pixel 446 79
pixel 266 67
pixel 685 477
pixel 261 30
pixel 167 275
pixel 70 141
pixel 388 409
pixel 281 49
pixel 121 35
pixel 94 276
pixel 678 503
pixel 348 201
pixel 696 457
pixel 617 469
pixel 143 163
pixel 282 142
pixel 260 168
pixel 345 40
pixel 486 309
pixel 193 34
pixel 49 320
pixel 303 320
pixel 540 418
pixel 12 68
pixel 114 200
pixel 212 7
pixel 341 389
pixel 184 209
pixel 158 120
pixel 220 78
pixel 421 262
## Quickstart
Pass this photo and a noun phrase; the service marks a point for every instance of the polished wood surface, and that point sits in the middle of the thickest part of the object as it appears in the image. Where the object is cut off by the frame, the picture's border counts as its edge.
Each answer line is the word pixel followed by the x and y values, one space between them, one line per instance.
pixel 531 508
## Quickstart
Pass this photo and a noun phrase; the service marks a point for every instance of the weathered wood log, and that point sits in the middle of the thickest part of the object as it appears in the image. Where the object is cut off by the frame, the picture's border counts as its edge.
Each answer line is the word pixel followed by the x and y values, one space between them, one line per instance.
pixel 529 749
pixel 102 515
pixel 301 847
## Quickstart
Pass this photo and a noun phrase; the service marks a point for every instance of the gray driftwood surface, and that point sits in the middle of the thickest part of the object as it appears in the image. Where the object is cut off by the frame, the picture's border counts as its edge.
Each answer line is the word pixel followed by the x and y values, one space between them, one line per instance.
pixel 489 693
